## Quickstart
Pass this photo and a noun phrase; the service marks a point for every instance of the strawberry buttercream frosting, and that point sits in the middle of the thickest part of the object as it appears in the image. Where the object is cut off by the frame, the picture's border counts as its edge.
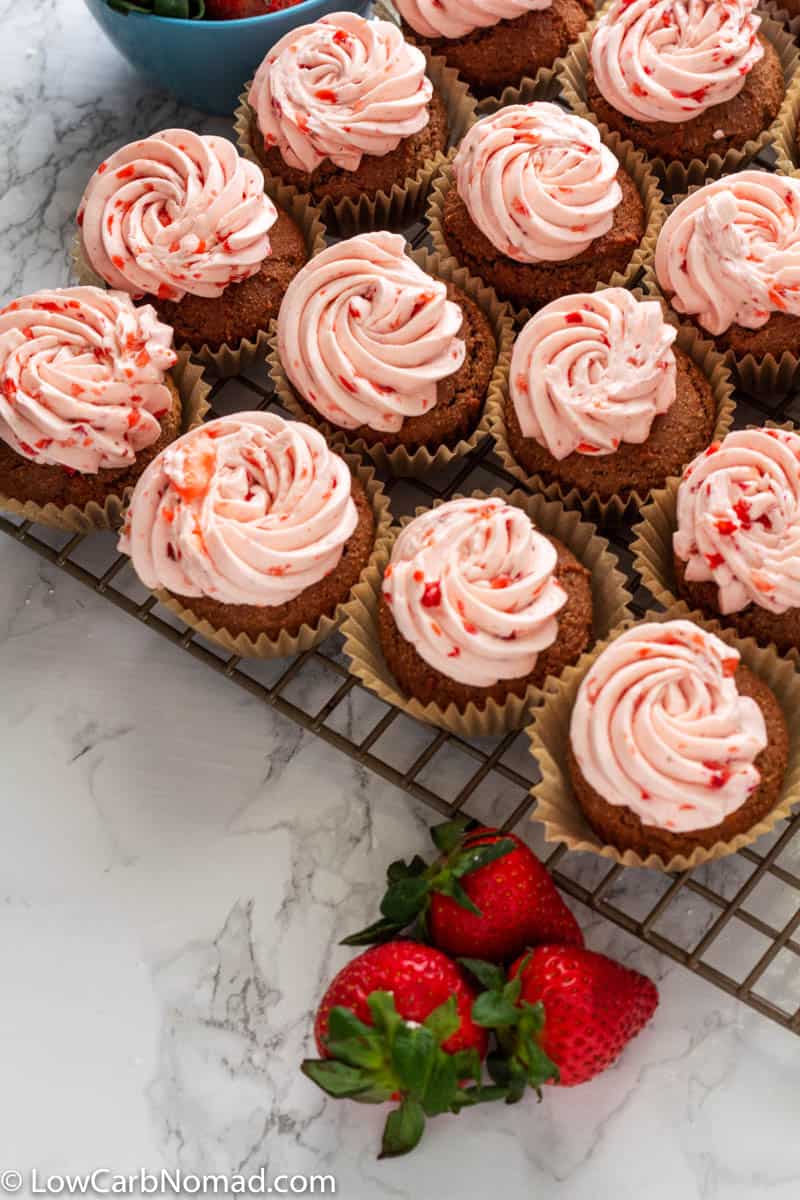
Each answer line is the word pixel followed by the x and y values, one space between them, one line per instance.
pixel 457 18
pixel 82 378
pixel 660 727
pixel 365 335
pixel 670 60
pixel 538 182
pixel 338 89
pixel 591 371
pixel 730 252
pixel 176 213
pixel 471 586
pixel 249 509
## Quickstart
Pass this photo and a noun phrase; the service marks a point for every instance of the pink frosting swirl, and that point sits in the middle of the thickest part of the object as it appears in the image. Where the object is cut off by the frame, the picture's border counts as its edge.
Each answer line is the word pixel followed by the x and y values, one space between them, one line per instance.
pixel 730 252
pixel 176 213
pixel 340 88
pixel 471 586
pixel 591 371
pixel 365 335
pixel 538 182
pixel 670 60
pixel 249 509
pixel 659 727
pixel 739 519
pixel 457 18
pixel 82 378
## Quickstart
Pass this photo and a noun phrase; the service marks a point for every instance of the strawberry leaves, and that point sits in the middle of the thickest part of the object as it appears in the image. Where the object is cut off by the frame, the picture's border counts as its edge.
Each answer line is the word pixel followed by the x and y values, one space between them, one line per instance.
pixel 161 8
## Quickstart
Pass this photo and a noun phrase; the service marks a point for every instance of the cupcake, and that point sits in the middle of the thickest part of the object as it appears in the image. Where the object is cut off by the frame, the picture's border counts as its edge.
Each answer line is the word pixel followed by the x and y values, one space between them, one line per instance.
pixel 495 43
pixel 737 543
pixel 674 745
pixel 86 396
pixel 600 398
pixel 726 259
pixel 478 605
pixel 540 207
pixel 382 351
pixel 684 79
pixel 252 525
pixel 181 221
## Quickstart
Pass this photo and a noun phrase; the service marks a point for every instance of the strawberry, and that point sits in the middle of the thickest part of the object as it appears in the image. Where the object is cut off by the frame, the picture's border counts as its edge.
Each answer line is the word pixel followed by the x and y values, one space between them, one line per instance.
pixel 232 10
pixel 486 896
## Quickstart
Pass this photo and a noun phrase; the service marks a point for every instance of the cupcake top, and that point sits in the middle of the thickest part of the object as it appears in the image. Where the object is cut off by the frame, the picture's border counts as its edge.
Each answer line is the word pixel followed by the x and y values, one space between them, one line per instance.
pixel 249 509
pixel 739 520
pixel 538 182
pixel 338 89
pixel 592 370
pixel 471 586
pixel 670 60
pixel 82 378
pixel 659 727
pixel 365 335
pixel 457 18
pixel 729 254
pixel 176 213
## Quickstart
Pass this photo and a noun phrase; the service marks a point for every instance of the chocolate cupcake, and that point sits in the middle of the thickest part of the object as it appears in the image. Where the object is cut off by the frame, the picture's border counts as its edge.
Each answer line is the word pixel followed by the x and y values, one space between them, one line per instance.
pixel 601 401
pixel 538 206
pixel 494 44
pixel 674 745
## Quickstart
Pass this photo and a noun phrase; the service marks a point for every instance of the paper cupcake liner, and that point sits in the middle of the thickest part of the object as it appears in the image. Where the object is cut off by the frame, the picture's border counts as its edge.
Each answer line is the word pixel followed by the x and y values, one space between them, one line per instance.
pixel 193 391
pixel 781 15
pixel 406 202
pixel 631 160
pixel 710 362
pixel 229 360
pixel 558 810
pixel 784 138
pixel 286 644
pixel 402 461
pixel 677 176
pixel 610 599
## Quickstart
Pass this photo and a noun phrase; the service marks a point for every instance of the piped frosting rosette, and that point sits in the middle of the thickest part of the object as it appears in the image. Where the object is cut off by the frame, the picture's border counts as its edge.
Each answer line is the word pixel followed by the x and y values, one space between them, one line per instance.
pixel 471 586
pixel 365 335
pixel 82 378
pixel 738 514
pixel 338 89
pixel 176 213
pixel 660 727
pixel 591 371
pixel 249 509
pixel 457 18
pixel 673 59
pixel 538 182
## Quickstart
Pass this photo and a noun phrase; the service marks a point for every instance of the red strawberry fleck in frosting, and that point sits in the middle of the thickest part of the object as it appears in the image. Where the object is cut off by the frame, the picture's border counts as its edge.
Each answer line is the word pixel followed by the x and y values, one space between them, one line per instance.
pixel 591 371
pixel 365 335
pixel 176 213
pixel 659 727
pixel 82 378
pixel 249 509
pixel 338 89
pixel 457 18
pixel 538 182
pixel 670 60
pixel 471 586
pixel 739 520
pixel 730 252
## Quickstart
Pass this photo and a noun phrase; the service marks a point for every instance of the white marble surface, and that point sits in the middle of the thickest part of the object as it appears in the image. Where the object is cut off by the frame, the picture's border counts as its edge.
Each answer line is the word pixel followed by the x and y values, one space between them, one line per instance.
pixel 177 863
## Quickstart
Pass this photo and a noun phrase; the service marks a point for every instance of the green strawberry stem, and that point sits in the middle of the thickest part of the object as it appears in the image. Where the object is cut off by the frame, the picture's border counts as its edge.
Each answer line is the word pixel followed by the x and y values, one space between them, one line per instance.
pixel 194 9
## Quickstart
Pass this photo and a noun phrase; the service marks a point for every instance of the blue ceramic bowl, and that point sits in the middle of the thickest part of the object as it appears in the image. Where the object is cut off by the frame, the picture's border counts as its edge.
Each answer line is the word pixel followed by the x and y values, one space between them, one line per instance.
pixel 206 63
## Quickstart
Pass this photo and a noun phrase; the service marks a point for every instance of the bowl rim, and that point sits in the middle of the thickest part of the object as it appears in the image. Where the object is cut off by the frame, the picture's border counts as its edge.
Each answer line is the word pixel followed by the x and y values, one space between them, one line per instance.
pixel 235 22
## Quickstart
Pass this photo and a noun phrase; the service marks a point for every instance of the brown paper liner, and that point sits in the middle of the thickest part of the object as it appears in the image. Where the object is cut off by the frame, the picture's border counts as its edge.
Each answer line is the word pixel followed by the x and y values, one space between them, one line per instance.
pixel 287 644
pixel 710 362
pixel 784 138
pixel 781 15
pixel 610 599
pixel 406 202
pixel 677 176
pixel 556 806
pixel 229 360
pixel 193 391
pixel 402 461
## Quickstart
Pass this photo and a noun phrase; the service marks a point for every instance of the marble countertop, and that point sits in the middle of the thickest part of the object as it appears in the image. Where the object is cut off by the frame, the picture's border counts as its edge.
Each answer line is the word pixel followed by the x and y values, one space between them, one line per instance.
pixel 177 863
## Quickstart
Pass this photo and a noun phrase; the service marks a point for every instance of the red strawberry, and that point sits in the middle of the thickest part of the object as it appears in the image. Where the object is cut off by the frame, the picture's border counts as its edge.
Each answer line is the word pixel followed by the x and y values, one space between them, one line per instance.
pixel 487 896
pixel 232 10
